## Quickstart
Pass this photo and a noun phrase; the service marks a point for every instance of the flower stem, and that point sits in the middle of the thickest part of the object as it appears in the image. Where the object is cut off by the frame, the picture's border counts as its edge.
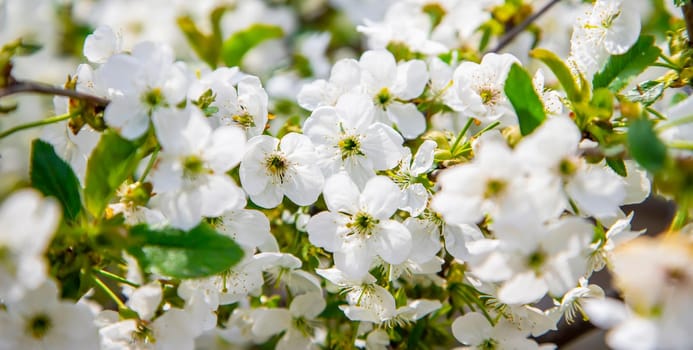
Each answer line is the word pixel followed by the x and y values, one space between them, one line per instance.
pixel 461 135
pixel 51 120
pixel 109 292
pixel 150 164
pixel 116 277
pixel 680 218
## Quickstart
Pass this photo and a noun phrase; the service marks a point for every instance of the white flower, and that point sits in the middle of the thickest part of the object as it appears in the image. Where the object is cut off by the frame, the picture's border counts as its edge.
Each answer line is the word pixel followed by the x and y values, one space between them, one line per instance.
pixel 139 84
pixel 28 223
pixel 103 43
pixel 344 76
pixel 41 321
pixel 190 177
pixel 272 168
pixel 347 139
pixel 389 84
pixel 415 195
pixel 357 227
pixel 239 99
pixel 479 89
pixel 249 228
pixel 474 330
pixel 297 321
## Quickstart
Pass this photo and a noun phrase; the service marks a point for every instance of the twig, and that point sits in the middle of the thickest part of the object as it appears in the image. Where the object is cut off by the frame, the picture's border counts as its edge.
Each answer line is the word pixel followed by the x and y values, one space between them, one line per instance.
pixel 51 120
pixel 41 88
pixel 516 30
pixel 688 17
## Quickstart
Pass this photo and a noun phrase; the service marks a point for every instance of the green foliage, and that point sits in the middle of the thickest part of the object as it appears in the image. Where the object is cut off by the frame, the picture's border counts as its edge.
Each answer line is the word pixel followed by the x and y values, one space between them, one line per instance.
pixel 644 145
pixel 54 177
pixel 527 105
pixel 617 165
pixel 620 69
pixel 199 252
pixel 113 160
pixel 238 44
pixel 680 3
pixel 647 92
pixel 563 73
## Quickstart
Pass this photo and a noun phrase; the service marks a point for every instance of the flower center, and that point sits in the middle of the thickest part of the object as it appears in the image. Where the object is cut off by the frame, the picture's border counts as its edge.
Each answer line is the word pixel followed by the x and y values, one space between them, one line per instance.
pixel 536 260
pixel 608 21
pixel 488 344
pixel 39 325
pixel 153 98
pixel 489 96
pixel 383 98
pixel 244 119
pixel 350 146
pixel 193 166
pixel 494 187
pixel 362 224
pixel 277 166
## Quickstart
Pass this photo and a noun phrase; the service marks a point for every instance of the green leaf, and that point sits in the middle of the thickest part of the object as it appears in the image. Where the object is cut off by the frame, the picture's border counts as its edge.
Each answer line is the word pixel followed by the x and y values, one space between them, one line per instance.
pixel 644 145
pixel 527 105
pixel 620 69
pixel 647 92
pixel 112 161
pixel 204 45
pixel 236 46
pixel 171 252
pixel 680 3
pixel 54 177
pixel 617 165
pixel 561 71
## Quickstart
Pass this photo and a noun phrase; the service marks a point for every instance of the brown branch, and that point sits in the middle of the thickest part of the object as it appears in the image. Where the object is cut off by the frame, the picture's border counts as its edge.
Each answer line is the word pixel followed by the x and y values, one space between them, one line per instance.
pixel 516 30
pixel 16 87
pixel 687 10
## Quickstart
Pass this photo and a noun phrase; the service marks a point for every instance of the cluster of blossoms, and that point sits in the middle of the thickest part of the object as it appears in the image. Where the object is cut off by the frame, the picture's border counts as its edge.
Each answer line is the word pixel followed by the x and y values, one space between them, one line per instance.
pixel 420 193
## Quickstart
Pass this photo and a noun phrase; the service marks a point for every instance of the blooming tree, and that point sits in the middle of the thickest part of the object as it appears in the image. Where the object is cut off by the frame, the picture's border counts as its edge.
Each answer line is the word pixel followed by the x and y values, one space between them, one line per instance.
pixel 425 174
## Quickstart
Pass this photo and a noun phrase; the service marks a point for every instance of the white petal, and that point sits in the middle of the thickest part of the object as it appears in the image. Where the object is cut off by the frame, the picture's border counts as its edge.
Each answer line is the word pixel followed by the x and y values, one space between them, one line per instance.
pixel 268 322
pixel 423 160
pixel 409 120
pixel 472 328
pixel 341 194
pixel 379 69
pixel 101 44
pixel 127 116
pixel 392 241
pixel 145 300
pixel 226 148
pixel 354 259
pixel 325 228
pixel 412 77
pixel 308 305
pixel 524 288
pixel 380 197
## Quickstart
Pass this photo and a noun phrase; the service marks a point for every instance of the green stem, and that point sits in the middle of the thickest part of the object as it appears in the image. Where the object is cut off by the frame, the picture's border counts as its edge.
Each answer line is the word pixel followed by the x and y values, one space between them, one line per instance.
pixel 668 60
pixel 685 145
pixel 109 292
pixel 680 219
pixel 487 128
pixel 656 113
pixel 675 122
pixel 461 135
pixel 666 65
pixel 51 120
pixel 116 277
pixel 150 164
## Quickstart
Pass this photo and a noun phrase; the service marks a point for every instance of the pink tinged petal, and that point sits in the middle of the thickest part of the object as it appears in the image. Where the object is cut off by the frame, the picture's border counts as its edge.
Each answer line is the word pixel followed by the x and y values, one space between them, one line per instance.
pixel 226 148
pixel 341 194
pixel 380 197
pixel 354 259
pixel 524 288
pixel 392 241
pixel 379 69
pixel 472 328
pixel 423 160
pixel 127 116
pixel 412 77
pixel 326 229
pixel 268 322
pixel 409 120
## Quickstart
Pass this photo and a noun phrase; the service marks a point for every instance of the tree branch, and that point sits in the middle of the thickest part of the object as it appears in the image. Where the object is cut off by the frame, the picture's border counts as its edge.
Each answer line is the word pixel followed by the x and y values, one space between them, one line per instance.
pixel 516 30
pixel 16 87
pixel 688 17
